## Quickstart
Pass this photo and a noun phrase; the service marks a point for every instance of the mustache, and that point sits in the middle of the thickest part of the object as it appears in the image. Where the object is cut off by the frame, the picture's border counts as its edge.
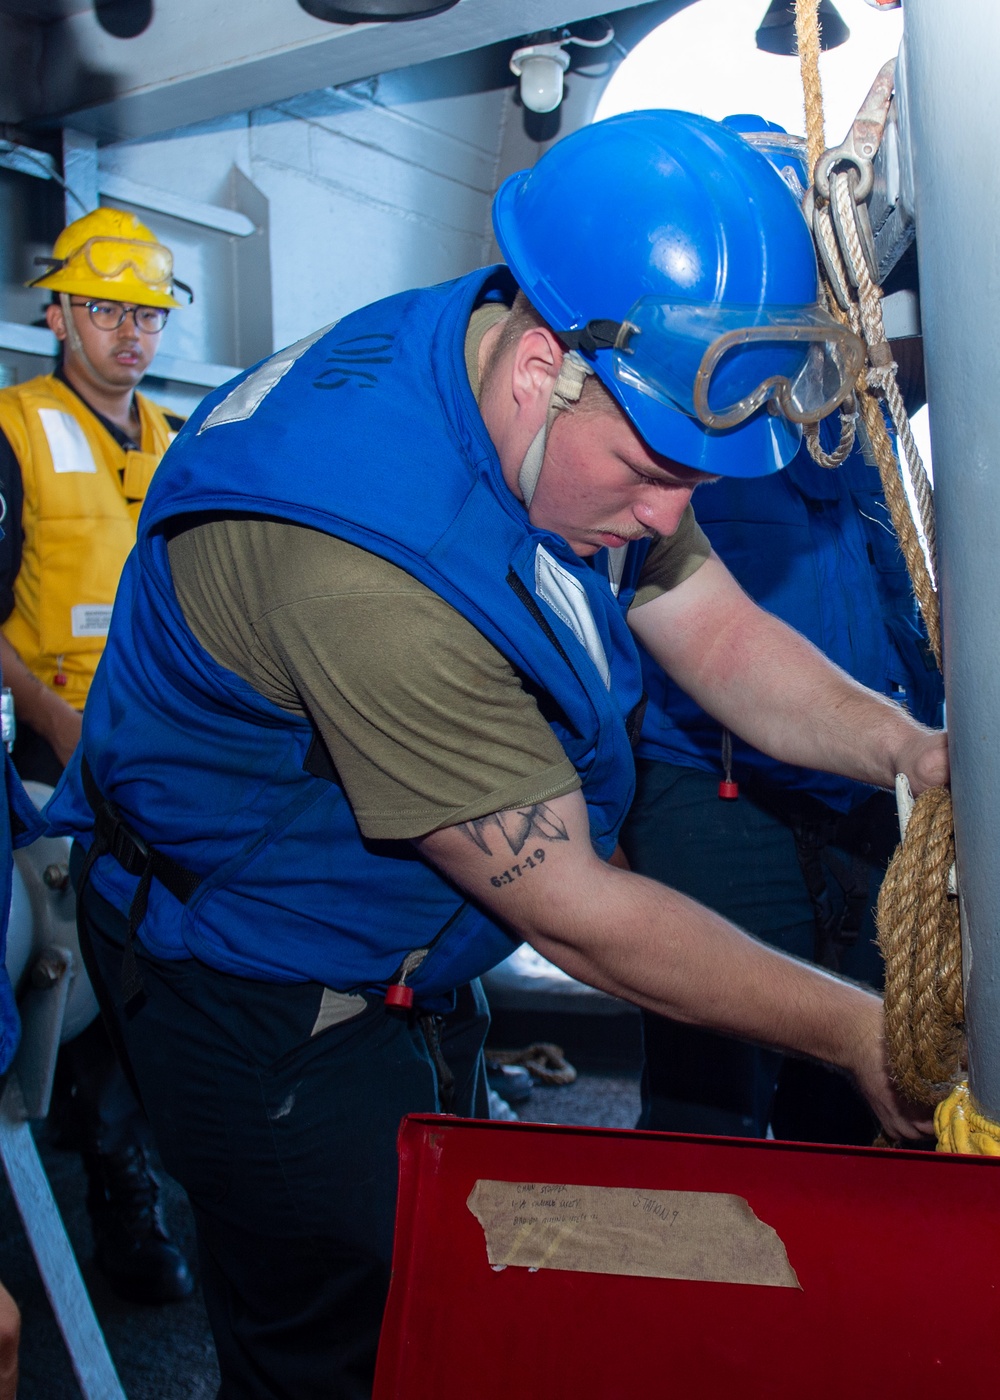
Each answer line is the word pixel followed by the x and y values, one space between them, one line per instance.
pixel 636 533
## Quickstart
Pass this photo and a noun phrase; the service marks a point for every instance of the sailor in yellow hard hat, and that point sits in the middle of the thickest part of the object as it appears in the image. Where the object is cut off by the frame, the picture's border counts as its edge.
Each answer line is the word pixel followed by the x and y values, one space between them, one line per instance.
pixel 78 448
pixel 81 448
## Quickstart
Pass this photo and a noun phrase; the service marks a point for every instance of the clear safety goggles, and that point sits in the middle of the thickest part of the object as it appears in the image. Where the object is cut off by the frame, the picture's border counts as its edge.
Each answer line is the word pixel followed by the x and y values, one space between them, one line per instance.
pixel 152 263
pixel 721 364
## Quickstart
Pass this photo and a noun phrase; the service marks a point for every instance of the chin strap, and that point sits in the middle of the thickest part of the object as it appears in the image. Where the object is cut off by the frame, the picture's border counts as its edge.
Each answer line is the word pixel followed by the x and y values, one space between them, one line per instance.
pixel 73 335
pixel 75 343
pixel 566 391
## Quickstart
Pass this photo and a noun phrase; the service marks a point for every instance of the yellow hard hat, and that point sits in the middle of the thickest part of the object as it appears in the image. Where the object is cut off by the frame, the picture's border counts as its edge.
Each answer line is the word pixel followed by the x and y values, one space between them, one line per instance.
pixel 111 255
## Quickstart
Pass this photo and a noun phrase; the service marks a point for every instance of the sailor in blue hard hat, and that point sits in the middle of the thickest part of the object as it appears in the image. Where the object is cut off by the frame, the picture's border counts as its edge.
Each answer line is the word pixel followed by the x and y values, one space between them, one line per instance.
pixel 683 277
pixel 364 719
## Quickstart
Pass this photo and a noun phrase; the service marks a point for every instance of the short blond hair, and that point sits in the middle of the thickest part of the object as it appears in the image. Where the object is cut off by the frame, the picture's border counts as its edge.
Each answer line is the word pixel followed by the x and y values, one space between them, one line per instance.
pixel 523 317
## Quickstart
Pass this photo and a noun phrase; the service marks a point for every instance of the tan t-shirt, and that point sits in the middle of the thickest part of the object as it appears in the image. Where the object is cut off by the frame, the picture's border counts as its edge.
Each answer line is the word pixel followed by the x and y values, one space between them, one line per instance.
pixel 426 721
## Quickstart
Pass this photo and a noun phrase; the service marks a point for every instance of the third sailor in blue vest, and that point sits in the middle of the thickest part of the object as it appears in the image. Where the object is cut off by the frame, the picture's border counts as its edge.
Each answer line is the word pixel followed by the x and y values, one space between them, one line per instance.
pixel 364 718
pixel 798 856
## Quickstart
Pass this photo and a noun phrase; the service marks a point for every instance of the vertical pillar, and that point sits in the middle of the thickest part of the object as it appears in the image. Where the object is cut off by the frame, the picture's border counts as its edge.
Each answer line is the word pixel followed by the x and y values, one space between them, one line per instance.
pixel 951 99
pixel 79 159
pixel 88 1351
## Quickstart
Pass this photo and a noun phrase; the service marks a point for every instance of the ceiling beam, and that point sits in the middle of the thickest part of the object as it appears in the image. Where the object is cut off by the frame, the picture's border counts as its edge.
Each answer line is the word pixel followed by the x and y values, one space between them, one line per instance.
pixel 203 59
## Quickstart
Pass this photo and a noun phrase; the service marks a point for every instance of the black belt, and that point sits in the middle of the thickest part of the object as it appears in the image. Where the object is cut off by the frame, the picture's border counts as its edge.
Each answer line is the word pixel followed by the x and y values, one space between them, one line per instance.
pixel 114 837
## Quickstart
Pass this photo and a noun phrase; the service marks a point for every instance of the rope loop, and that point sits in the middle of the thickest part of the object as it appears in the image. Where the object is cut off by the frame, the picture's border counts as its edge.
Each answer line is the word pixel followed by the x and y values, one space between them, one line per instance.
pixel 848 431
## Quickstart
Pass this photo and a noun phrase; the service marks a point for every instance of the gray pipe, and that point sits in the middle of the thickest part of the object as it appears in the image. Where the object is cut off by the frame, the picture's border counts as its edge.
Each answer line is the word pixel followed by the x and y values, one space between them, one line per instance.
pixel 951 59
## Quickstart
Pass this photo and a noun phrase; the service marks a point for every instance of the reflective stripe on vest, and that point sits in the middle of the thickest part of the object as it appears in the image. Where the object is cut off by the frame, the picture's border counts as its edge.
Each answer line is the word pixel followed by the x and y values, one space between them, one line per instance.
pixel 68 445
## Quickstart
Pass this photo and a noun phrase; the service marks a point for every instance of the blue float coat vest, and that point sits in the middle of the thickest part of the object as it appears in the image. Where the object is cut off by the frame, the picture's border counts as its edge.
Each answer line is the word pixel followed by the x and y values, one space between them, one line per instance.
pixel 368 431
pixel 817 548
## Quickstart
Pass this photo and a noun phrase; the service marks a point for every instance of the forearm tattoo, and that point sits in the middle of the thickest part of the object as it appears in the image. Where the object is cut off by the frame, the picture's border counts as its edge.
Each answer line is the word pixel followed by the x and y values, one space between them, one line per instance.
pixel 518 828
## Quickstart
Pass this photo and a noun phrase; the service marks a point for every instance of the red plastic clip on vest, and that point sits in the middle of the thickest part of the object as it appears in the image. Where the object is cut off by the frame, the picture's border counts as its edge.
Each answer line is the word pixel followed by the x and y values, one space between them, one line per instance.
pixel 728 790
pixel 398 994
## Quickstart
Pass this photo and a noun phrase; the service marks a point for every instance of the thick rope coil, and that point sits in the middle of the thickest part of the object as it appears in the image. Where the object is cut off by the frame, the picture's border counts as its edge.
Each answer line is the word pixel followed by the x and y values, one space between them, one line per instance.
pixel 919 939
pixel 960 1127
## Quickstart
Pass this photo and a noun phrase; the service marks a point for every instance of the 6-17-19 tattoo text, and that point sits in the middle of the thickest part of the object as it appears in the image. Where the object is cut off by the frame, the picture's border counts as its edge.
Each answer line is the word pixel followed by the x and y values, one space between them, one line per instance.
pixel 508 876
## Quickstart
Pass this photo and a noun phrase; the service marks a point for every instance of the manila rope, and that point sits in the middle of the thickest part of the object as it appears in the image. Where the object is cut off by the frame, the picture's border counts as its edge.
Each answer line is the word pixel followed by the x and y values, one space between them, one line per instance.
pixel 918 921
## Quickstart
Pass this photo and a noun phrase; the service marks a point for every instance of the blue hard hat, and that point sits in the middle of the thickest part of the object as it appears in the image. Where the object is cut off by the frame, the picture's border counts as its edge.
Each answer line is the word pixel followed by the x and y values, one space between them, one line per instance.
pixel 674 258
pixel 750 121
pixel 785 152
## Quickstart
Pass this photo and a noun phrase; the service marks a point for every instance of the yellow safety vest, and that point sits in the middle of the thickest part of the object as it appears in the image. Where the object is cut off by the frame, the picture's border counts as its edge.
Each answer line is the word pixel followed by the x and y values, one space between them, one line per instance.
pixel 82 495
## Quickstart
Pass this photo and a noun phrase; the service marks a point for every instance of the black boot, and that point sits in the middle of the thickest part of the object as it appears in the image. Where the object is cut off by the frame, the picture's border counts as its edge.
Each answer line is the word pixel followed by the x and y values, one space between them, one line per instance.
pixel 131 1246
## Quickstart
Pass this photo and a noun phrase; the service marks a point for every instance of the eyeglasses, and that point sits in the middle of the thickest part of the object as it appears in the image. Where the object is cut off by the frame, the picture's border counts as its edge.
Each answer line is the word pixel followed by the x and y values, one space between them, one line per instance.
pixel 109 315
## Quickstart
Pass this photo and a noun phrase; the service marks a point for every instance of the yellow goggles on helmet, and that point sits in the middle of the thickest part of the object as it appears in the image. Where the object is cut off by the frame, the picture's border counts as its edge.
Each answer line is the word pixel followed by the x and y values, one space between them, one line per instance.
pixel 152 263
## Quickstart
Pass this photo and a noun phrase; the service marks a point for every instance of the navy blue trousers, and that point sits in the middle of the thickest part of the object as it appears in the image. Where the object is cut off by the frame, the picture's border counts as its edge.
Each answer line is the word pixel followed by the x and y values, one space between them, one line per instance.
pixel 285 1142
pixel 740 859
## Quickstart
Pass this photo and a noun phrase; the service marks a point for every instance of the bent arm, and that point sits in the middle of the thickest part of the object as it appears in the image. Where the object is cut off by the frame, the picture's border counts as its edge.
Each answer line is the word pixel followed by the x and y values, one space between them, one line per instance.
pixel 535 870
pixel 773 688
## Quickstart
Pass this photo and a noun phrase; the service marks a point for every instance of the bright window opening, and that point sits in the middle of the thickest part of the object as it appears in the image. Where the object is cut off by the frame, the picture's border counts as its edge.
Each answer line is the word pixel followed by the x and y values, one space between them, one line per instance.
pixel 705 60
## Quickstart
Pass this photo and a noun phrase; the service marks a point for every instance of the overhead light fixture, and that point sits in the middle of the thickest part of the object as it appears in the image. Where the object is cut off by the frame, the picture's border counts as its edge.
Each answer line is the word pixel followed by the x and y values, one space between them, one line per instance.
pixel 373 11
pixel 777 29
pixel 541 66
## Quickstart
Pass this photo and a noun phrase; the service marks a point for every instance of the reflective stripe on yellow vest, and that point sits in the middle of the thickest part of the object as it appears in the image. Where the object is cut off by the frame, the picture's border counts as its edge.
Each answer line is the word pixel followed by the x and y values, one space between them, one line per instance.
pixel 82 495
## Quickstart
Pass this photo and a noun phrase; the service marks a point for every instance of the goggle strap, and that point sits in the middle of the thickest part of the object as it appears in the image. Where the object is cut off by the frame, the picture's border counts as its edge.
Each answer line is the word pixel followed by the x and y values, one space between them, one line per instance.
pixel 594 336
pixel 49 265
pixel 183 286
pixel 573 375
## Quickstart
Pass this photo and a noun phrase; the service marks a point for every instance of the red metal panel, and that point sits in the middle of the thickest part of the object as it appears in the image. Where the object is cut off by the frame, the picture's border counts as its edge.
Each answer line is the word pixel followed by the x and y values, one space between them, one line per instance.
pixel 898 1255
